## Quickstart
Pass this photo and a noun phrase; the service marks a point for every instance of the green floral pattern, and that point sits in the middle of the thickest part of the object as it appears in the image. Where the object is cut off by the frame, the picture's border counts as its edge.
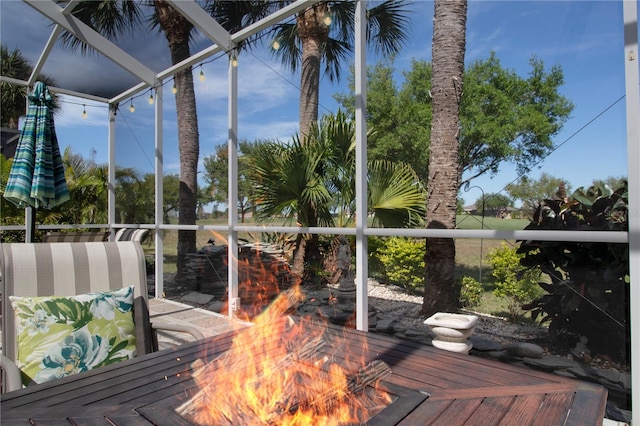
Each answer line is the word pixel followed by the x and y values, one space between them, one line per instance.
pixel 60 336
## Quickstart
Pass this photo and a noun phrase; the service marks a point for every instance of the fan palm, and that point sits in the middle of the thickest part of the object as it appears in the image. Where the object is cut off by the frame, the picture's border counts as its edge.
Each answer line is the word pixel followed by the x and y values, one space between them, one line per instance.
pixel 14 97
pixel 306 182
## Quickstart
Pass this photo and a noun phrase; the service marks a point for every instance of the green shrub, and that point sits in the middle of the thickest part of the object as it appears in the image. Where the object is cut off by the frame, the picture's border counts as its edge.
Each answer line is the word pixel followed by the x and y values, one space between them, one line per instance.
pixel 589 290
pixel 470 292
pixel 514 282
pixel 403 261
pixel 376 268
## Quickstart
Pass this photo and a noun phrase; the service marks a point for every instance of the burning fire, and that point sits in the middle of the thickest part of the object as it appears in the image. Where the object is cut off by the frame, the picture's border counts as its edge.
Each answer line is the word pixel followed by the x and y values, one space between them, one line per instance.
pixel 288 380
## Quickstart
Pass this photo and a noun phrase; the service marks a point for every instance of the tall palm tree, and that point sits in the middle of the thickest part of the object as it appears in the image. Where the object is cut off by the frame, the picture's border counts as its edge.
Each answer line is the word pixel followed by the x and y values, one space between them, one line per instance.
pixel 448 49
pixel 324 32
pixel 112 18
pixel 307 182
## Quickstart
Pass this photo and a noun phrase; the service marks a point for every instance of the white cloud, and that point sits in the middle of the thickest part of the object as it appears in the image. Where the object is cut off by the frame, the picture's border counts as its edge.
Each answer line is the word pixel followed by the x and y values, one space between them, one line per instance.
pixel 281 130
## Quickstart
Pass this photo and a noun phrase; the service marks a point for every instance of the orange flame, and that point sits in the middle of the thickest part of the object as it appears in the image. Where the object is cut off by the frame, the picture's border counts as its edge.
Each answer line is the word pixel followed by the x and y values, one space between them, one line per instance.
pixel 279 370
pixel 277 373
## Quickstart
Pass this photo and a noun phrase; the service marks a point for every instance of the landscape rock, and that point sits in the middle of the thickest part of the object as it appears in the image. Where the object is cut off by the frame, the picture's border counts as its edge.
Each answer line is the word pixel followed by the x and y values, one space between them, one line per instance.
pixel 197 298
pixel 482 344
pixel 525 350
pixel 551 363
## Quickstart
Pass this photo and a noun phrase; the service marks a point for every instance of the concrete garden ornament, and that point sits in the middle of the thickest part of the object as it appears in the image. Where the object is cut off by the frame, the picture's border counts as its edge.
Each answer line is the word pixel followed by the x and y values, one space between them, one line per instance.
pixel 452 331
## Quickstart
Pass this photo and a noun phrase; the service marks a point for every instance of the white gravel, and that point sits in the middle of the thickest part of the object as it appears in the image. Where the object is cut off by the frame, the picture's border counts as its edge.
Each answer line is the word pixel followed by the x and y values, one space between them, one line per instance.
pixel 394 302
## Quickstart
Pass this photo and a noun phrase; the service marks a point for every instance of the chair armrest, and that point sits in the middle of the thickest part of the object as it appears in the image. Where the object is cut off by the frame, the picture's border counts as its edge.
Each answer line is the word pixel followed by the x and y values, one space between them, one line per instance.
pixel 179 328
pixel 11 379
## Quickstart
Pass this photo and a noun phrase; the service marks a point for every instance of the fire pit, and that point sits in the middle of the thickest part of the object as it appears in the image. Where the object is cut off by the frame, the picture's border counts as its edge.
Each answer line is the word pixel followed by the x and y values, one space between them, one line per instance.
pixel 400 401
pixel 305 377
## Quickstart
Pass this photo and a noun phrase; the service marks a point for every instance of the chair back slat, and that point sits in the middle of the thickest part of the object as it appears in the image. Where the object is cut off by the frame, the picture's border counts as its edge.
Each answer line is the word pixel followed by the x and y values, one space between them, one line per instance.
pixel 65 269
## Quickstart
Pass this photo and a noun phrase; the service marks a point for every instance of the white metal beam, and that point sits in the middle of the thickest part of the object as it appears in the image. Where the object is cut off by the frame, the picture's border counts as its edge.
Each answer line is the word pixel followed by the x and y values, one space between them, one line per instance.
pixel 362 266
pixel 205 23
pixel 232 201
pixel 83 32
pixel 159 173
pixel 632 83
pixel 111 170
pixel 212 50
pixel 44 55
pixel 272 19
pixel 57 90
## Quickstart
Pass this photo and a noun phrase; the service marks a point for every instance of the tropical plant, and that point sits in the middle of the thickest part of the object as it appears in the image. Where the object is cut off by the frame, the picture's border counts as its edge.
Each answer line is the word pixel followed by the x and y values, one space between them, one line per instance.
pixel 13 97
pixel 307 183
pixel 324 33
pixel 588 292
pixel 441 291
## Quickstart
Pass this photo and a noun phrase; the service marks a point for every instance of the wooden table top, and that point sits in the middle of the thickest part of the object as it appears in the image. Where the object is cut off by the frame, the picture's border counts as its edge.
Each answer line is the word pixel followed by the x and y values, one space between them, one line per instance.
pixel 462 389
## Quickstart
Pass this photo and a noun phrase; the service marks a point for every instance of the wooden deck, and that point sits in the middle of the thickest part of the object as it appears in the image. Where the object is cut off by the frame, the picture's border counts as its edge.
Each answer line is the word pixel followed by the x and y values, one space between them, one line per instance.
pixel 463 389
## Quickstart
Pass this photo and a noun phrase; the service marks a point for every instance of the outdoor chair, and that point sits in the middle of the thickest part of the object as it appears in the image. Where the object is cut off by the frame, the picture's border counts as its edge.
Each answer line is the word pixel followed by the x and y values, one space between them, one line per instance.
pixel 81 270
pixel 131 234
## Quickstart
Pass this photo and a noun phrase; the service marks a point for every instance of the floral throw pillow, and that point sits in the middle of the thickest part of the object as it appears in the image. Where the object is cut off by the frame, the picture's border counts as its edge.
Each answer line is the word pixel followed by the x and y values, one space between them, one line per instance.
pixel 60 336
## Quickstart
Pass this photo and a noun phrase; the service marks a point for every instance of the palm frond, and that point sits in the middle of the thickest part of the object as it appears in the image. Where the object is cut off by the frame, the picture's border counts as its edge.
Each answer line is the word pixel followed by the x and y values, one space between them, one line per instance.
pixel 395 194
pixel 388 24
pixel 110 18
pixel 290 49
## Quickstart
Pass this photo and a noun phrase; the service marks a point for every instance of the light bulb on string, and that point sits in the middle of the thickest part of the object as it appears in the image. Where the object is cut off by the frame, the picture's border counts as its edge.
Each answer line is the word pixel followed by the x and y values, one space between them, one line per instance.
pixel 131 107
pixel 151 99
pixel 174 89
pixel 201 74
pixel 275 45
pixel 234 61
pixel 327 19
pixel 84 112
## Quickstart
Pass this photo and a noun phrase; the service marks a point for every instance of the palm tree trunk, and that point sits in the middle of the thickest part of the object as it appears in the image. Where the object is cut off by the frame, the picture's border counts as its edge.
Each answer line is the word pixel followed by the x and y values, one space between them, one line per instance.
pixel 441 291
pixel 313 33
pixel 177 29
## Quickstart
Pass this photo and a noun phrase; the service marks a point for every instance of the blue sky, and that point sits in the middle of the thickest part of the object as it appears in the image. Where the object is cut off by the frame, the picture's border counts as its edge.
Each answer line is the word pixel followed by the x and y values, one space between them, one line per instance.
pixel 584 37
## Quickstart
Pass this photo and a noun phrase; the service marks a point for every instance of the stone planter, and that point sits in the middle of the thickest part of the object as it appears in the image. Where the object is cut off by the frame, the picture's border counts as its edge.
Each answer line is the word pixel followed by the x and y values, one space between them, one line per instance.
pixel 452 331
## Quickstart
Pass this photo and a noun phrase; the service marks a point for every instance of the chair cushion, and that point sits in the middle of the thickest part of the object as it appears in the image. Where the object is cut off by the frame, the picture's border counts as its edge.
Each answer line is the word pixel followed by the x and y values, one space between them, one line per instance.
pixel 60 336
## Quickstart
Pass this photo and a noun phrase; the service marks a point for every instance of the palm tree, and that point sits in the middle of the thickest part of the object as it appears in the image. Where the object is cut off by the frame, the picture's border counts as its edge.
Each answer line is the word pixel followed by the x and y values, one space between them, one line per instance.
pixel 324 32
pixel 14 97
pixel 113 17
pixel 307 182
pixel 448 49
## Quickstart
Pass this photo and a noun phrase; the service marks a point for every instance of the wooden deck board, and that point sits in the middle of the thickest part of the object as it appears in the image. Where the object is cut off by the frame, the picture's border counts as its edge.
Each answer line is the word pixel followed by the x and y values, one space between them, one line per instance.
pixel 464 389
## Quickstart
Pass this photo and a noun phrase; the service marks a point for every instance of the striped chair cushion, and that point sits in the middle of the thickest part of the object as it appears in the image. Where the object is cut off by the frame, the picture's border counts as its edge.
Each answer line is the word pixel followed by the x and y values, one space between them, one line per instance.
pixel 66 269
pixel 131 234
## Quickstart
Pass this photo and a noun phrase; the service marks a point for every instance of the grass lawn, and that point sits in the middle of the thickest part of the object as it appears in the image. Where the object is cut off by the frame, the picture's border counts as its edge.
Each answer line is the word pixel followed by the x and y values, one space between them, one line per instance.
pixel 469 252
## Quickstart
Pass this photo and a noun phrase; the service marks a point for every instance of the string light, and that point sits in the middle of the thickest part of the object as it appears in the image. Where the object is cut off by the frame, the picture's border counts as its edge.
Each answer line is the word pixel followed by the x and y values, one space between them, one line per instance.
pixel 131 107
pixel 327 18
pixel 275 45
pixel 174 89
pixel 151 99
pixel 201 74
pixel 84 112
pixel 234 61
